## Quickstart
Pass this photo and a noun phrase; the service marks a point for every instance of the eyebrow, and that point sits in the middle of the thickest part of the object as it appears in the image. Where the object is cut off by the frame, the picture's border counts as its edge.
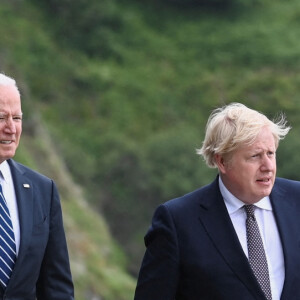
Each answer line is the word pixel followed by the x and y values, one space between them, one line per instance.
pixel 7 114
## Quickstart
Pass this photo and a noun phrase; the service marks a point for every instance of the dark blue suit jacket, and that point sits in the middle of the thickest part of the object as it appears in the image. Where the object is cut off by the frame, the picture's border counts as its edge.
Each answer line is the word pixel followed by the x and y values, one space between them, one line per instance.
pixel 42 268
pixel 193 251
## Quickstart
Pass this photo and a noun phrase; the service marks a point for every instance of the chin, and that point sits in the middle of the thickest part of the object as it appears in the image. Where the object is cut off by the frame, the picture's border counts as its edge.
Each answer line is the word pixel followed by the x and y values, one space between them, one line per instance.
pixel 266 194
pixel 7 156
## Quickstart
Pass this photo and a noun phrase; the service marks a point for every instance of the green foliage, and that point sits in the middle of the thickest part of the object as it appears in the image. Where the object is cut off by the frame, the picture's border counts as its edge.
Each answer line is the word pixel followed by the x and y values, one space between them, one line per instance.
pixel 287 160
pixel 98 263
pixel 97 270
pixel 125 90
pixel 170 157
pixel 216 4
pixel 135 119
pixel 88 26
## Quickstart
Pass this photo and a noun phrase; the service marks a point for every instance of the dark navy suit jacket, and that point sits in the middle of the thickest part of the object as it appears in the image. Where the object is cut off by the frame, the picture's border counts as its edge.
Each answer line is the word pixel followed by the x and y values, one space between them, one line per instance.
pixel 42 268
pixel 193 251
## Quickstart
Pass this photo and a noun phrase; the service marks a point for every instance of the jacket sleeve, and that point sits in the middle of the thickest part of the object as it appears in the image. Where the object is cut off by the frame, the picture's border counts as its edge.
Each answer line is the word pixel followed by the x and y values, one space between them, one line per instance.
pixel 55 280
pixel 159 273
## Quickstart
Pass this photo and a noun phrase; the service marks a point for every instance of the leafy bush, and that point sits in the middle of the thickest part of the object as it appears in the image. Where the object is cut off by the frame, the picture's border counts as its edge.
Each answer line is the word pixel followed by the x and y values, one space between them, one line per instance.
pixel 88 26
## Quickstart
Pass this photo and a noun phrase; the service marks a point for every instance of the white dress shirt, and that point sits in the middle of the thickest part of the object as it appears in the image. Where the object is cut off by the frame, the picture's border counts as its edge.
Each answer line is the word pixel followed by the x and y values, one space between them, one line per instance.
pixel 10 197
pixel 269 232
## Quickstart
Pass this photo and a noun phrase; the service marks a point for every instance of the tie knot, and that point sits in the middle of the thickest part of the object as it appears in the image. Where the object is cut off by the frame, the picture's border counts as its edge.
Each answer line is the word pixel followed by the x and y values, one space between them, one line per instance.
pixel 250 210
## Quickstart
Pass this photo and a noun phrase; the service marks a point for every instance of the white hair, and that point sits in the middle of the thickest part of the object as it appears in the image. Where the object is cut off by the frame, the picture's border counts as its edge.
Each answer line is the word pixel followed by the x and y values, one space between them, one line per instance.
pixel 6 80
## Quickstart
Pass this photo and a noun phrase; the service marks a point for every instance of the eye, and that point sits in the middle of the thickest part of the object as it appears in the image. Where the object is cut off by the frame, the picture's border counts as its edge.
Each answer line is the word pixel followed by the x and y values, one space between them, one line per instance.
pixel 17 118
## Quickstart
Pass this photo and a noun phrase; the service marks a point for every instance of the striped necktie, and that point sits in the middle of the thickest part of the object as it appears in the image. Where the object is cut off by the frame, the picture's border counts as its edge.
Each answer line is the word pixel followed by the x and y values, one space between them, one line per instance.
pixel 7 242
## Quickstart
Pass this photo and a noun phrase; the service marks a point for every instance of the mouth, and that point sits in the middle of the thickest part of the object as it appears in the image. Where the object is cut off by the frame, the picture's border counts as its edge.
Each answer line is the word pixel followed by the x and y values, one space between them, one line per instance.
pixel 264 180
pixel 6 142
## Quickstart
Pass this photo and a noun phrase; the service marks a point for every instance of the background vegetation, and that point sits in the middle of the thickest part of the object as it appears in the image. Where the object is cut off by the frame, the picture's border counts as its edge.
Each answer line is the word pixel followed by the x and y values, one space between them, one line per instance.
pixel 116 95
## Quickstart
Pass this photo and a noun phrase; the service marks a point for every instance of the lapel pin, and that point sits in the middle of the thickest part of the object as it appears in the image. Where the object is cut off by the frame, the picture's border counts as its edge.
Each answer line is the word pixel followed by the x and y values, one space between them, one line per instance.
pixel 26 185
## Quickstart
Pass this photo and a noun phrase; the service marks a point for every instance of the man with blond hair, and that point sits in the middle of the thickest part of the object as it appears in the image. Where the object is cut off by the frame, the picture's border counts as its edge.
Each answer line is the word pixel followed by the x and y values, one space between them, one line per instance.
pixel 238 237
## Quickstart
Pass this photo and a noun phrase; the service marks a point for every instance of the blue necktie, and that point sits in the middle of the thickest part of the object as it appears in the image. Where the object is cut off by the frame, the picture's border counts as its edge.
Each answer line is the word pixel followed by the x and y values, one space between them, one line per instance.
pixel 7 242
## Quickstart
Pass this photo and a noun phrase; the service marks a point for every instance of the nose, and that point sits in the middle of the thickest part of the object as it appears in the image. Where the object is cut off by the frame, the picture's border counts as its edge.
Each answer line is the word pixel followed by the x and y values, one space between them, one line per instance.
pixel 10 126
pixel 268 163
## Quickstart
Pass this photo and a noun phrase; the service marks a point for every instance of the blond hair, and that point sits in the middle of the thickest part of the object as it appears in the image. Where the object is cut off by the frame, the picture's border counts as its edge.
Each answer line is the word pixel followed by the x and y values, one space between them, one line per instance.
pixel 234 125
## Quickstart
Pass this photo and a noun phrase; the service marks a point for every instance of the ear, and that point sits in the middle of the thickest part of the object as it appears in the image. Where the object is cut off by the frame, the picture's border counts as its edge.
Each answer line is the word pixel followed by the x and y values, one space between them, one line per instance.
pixel 219 159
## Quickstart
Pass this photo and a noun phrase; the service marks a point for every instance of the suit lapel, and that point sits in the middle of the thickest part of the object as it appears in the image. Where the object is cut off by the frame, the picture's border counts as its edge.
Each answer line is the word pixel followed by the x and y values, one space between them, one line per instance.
pixel 24 194
pixel 216 220
pixel 287 217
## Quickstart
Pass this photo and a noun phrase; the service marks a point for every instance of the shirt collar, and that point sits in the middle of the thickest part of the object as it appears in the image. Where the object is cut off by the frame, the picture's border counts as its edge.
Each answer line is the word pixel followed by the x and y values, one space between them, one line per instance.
pixel 4 170
pixel 233 204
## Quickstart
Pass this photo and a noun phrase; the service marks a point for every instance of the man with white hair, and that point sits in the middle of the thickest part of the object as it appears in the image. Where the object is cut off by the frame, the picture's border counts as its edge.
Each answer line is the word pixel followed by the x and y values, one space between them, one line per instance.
pixel 237 238
pixel 34 262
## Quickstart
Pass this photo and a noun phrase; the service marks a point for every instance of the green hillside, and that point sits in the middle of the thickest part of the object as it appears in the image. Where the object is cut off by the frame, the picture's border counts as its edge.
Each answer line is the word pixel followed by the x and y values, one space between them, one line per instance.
pixel 116 95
